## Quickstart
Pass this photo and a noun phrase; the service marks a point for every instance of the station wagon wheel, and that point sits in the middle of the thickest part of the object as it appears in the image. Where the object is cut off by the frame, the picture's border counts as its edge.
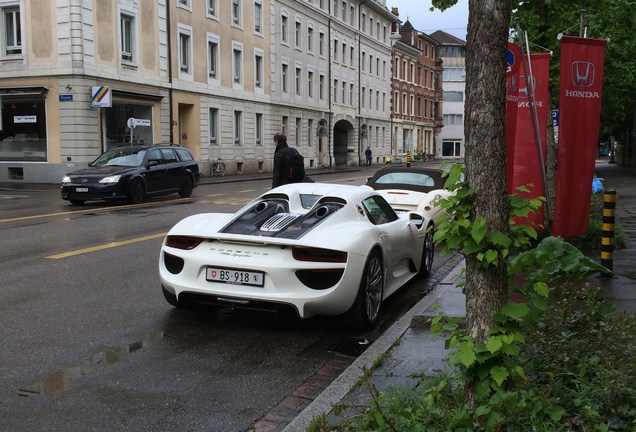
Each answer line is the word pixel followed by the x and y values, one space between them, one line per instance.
pixel 428 253
pixel 136 192
pixel 366 309
pixel 186 187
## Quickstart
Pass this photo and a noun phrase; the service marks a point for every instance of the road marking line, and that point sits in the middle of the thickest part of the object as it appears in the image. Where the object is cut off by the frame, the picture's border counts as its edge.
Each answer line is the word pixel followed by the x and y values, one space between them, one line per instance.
pixel 247 190
pixel 92 210
pixel 106 246
pixel 215 195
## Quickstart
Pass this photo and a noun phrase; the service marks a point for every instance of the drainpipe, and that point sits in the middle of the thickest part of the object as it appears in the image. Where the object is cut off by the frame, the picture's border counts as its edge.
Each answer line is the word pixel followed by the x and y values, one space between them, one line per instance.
pixel 170 87
pixel 331 135
pixel 358 33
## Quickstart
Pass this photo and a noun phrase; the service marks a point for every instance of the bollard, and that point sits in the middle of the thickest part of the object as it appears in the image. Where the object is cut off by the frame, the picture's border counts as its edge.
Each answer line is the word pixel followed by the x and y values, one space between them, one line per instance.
pixel 607 235
pixel 408 158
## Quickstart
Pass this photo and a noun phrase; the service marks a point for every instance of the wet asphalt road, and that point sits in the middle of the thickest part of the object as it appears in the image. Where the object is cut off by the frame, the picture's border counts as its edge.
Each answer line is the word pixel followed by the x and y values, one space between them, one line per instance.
pixel 90 344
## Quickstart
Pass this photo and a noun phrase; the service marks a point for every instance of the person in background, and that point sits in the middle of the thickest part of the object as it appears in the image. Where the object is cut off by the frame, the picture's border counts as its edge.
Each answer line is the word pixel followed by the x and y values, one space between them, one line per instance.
pixel 368 154
pixel 281 155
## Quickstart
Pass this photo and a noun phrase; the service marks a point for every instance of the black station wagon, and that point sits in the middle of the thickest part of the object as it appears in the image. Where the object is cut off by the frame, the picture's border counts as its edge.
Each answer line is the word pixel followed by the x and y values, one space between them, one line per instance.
pixel 132 173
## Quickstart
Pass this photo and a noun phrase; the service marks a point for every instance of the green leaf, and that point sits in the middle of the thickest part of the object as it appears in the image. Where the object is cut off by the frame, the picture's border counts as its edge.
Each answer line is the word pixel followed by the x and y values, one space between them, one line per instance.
pixel 499 239
pixel 494 344
pixel 499 374
pixel 541 288
pixel 555 412
pixel 465 354
pixel 515 310
pixel 479 230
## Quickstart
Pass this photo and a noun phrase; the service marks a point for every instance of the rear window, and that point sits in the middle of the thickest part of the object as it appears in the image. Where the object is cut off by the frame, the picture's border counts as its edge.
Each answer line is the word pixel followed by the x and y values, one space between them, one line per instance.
pixel 415 179
pixel 184 154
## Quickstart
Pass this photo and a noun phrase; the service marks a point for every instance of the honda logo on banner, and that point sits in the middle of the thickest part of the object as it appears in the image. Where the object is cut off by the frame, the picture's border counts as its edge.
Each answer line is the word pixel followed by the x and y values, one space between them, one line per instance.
pixel 581 86
pixel 582 74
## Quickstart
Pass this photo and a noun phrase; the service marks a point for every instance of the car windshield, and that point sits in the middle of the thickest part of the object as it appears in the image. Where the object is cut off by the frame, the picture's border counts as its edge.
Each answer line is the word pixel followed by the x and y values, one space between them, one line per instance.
pixel 409 178
pixel 120 157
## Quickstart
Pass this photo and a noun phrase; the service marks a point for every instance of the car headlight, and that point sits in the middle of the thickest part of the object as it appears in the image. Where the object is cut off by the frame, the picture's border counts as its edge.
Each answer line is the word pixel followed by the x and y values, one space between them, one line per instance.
pixel 66 179
pixel 110 179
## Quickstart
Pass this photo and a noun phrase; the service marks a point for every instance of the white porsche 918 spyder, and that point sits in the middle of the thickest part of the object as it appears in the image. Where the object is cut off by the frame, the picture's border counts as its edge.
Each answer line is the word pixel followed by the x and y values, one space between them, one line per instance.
pixel 306 248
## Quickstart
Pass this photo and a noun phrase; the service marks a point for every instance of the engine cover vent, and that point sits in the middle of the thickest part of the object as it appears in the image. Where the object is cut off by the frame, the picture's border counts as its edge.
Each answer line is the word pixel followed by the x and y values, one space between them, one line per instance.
pixel 279 221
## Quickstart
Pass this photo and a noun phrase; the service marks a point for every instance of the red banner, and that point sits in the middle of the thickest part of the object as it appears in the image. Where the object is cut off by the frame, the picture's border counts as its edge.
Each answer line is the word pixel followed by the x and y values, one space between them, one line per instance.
pixel 527 168
pixel 580 92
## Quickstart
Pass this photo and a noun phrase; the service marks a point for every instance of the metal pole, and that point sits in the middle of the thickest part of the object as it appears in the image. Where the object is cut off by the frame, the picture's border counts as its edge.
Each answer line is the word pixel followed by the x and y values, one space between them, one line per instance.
pixel 527 68
pixel 607 236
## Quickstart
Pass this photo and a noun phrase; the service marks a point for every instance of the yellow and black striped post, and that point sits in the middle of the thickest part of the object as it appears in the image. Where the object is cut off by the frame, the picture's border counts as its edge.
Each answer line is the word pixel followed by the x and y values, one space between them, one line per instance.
pixel 609 226
pixel 408 158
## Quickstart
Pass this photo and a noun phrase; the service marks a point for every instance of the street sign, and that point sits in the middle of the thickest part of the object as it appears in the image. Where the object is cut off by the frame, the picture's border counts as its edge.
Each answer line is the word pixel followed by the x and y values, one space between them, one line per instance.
pixel 513 59
pixel 101 97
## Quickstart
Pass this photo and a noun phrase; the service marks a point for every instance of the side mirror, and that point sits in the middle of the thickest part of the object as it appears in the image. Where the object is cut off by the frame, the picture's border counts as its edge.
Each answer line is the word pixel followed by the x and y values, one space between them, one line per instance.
pixel 416 219
pixel 152 163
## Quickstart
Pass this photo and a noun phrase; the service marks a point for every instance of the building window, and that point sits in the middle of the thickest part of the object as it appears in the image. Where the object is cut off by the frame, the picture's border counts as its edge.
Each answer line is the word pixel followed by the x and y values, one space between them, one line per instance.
pixel 363 22
pixel 451 148
pixel 321 87
pixel 310 132
pixel 321 47
pixel 363 97
pixel 310 39
pixel 352 56
pixel 452 119
pixel 258 69
pixel 23 132
pixel 236 12
pixel 343 95
pixel 212 8
pixel 297 131
pixel 454 74
pixel 335 50
pixel 344 53
pixel 344 11
pixel 237 63
pixel 283 28
pixel 310 84
pixel 127 28
pixel 298 81
pixel 213 57
pixel 185 48
pixel 298 34
pixel 258 16
pixel 351 95
pixel 335 91
pixel 258 125
pixel 377 100
pixel 284 78
pixel 363 61
pixel 213 125
pixel 453 96
pixel 352 16
pixel 285 125
pixel 12 31
pixel 238 127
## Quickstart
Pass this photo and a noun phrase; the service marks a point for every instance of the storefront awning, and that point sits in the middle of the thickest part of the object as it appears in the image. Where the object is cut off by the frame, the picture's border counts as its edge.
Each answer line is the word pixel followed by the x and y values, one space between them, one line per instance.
pixel 140 95
pixel 23 91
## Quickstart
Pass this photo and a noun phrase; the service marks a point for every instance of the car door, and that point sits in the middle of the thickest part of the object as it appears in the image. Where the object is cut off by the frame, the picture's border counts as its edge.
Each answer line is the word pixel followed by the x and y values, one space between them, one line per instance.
pixel 398 239
pixel 174 169
pixel 157 172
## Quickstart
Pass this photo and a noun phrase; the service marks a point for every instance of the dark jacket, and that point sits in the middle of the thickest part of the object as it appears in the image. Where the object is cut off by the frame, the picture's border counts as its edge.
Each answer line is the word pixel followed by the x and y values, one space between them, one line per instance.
pixel 281 155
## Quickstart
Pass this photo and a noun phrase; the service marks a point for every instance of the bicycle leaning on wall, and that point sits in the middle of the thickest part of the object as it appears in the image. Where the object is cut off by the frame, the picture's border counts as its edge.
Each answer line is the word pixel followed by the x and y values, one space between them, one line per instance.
pixel 217 166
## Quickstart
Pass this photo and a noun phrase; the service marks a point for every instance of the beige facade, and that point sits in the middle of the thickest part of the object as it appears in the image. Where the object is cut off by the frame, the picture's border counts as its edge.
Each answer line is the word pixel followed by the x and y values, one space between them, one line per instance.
pixel 205 74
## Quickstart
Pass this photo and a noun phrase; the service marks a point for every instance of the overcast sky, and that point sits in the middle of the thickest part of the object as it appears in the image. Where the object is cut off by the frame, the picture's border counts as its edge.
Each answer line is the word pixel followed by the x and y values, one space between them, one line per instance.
pixel 453 20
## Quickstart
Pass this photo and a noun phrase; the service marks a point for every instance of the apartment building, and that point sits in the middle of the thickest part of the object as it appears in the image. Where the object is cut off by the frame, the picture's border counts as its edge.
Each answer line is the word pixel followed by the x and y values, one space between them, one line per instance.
pixel 219 77
pixel 417 91
pixel 452 51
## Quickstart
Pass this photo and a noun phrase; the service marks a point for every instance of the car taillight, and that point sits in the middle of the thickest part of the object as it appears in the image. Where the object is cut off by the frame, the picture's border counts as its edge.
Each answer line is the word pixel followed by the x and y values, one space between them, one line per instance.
pixel 183 242
pixel 319 255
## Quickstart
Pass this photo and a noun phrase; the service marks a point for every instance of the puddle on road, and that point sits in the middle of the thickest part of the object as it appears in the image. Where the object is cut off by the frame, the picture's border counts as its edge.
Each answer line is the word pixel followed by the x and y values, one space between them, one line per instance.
pixel 66 378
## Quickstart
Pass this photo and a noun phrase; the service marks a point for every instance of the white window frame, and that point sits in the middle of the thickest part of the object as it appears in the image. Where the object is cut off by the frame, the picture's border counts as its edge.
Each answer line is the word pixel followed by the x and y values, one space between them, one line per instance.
pixel 185 53
pixel 310 38
pixel 298 80
pixel 213 57
pixel 237 127
pixel 321 86
pixel 284 21
pixel 185 4
pixel 321 46
pixel 213 126
pixel 258 17
pixel 212 8
pixel 284 71
pixel 237 69
pixel 310 84
pixel 298 33
pixel 259 68
pixel 127 37
pixel 237 13
pixel 258 129
pixel 15 11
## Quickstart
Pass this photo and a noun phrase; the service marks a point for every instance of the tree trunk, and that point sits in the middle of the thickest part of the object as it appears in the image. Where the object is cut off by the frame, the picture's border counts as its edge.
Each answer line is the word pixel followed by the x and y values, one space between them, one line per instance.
pixel 485 124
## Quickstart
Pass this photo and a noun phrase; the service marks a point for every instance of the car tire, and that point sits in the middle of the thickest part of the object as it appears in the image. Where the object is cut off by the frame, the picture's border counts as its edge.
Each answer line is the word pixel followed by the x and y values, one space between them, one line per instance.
pixel 77 202
pixel 366 309
pixel 186 187
pixel 136 192
pixel 428 253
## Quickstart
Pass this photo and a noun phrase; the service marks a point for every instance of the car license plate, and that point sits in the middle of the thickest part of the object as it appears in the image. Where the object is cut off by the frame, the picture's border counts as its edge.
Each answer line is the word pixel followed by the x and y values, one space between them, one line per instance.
pixel 234 276
pixel 81 189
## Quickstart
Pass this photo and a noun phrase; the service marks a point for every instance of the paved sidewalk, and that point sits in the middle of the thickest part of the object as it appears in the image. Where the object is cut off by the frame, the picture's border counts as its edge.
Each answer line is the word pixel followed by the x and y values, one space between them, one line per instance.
pixel 409 348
